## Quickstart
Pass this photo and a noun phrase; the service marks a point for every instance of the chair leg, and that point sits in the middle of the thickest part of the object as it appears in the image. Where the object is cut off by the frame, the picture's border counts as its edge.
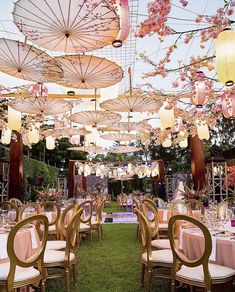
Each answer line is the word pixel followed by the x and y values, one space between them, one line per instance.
pixel 74 276
pixel 42 286
pixel 149 279
pixel 142 275
pixel 91 237
pixel 67 279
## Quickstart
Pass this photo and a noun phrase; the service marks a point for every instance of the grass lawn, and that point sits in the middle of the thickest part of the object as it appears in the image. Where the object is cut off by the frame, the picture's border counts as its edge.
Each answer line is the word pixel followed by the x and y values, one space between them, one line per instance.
pixel 113 265
pixel 114 208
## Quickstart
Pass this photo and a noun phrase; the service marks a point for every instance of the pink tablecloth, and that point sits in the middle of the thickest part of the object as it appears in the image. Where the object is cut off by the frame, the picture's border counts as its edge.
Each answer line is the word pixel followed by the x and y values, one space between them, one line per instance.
pixel 26 244
pixel 164 215
pixel 192 244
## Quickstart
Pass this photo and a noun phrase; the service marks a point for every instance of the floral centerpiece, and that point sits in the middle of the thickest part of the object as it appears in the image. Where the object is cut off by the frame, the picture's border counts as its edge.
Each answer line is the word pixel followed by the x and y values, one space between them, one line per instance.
pixel 47 194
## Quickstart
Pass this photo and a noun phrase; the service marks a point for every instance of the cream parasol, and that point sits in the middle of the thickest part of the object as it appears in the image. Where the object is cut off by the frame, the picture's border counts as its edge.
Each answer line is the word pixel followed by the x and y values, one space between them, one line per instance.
pixel 135 103
pixel 118 137
pixel 66 132
pixel 41 105
pixel 89 148
pixel 88 72
pixel 95 118
pixel 125 149
pixel 27 62
pixel 71 26
pixel 131 126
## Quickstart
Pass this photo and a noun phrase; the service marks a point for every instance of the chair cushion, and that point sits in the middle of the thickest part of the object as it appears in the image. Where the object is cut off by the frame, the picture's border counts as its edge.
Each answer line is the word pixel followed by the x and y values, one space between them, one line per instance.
pixel 54 256
pixel 196 273
pixel 163 226
pixel 161 244
pixel 56 244
pixel 160 256
pixel 84 226
pixel 21 274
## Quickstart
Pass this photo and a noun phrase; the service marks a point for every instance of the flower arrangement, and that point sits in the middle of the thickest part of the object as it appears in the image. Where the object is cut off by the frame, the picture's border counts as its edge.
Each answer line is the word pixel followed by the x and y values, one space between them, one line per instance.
pixel 48 194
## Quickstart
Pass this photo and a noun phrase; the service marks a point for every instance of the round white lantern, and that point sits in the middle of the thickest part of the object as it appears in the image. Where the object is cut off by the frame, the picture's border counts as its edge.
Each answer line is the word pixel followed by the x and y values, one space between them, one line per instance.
pixel 6 136
pixel 167 118
pixel 203 130
pixel 33 136
pixel 50 143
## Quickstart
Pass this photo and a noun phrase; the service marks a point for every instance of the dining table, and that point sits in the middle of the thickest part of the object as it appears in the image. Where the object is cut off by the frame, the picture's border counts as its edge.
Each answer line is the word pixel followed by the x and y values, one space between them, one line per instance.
pixel 192 244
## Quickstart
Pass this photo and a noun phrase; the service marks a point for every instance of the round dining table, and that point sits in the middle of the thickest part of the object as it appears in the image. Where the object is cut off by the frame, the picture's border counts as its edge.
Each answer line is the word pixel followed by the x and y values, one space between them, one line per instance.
pixel 192 243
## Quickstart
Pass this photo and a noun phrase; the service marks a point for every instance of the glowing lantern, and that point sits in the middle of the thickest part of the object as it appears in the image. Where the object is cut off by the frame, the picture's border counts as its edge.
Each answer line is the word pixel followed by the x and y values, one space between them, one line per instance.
pixel 203 130
pixel 167 142
pixel 50 143
pixel 178 125
pixel 225 57
pixel 200 90
pixel 14 119
pixel 183 143
pixel 228 105
pixel 6 136
pixel 33 136
pixel 167 118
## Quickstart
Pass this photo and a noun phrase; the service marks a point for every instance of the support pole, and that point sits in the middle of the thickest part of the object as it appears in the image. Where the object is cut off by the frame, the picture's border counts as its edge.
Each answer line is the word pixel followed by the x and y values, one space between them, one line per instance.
pixel 71 179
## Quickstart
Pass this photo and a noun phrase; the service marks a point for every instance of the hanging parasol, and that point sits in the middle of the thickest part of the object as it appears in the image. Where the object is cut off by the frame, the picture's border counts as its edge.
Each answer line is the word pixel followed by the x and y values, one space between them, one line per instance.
pixel 131 126
pixel 133 103
pixel 27 62
pixel 95 118
pixel 88 72
pixel 71 26
pixel 118 137
pixel 41 105
pixel 125 149
pixel 66 132
pixel 90 149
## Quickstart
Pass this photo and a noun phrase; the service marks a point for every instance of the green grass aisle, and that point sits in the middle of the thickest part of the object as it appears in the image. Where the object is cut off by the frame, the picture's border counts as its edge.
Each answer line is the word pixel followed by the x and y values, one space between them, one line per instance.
pixel 113 265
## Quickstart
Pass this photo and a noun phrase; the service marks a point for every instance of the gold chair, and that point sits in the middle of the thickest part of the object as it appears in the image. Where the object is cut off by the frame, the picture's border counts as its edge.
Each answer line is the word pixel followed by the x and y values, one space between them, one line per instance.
pixel 151 214
pixel 108 201
pixel 97 222
pixel 65 260
pixel 16 201
pixel 12 208
pixel 180 207
pixel 18 273
pixel 222 210
pixel 196 272
pixel 28 210
pixel 151 258
pixel 196 205
pixel 85 226
pixel 52 211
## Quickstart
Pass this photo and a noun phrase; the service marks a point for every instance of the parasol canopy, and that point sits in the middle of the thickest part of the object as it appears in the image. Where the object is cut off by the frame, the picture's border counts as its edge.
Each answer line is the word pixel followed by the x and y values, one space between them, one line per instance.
pixel 66 132
pixel 131 126
pixel 125 149
pixel 118 137
pixel 71 26
pixel 132 104
pixel 95 118
pixel 88 72
pixel 41 105
pixel 27 62
pixel 89 148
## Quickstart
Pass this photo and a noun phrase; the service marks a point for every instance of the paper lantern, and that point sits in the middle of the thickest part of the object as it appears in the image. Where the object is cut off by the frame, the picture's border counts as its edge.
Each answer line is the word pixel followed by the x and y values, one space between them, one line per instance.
pixel 33 136
pixel 167 118
pixel 50 143
pixel 203 130
pixel 6 136
pixel 228 105
pixel 225 57
pixel 75 140
pixel 178 125
pixel 200 90
pixel 14 119
pixel 167 142
pixel 183 143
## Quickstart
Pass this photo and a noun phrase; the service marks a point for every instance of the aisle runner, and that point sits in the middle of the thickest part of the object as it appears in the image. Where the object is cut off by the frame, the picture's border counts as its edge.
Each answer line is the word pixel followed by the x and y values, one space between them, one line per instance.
pixel 120 217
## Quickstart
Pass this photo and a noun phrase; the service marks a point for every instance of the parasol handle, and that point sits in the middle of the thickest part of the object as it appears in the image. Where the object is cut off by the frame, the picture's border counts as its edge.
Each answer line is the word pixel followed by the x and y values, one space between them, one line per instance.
pixel 130 80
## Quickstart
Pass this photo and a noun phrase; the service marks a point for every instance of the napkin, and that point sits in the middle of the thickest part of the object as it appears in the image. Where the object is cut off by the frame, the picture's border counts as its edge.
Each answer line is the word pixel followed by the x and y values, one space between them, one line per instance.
pixel 213 251
pixel 33 238
pixel 49 216
pixel 165 217
pixel 3 244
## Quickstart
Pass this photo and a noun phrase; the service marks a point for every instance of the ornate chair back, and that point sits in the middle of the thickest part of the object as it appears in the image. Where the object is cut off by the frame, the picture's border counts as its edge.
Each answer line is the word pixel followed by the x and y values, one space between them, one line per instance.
pixel 87 212
pixel 28 210
pixel 12 210
pixel 16 201
pixel 36 259
pixel 179 258
pixel 66 216
pixel 151 214
pixel 52 211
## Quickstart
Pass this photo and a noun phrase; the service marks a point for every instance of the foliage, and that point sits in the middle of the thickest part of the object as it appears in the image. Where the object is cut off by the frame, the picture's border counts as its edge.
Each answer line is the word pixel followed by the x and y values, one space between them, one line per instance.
pixel 33 169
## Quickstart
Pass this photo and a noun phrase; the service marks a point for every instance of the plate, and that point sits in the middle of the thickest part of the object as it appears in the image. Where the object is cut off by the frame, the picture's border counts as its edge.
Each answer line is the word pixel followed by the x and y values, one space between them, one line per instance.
pixel 224 234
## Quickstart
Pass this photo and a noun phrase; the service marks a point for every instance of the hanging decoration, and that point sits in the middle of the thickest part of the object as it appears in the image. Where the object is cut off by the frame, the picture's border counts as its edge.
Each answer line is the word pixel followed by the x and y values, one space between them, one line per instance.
pixel 228 104
pixel 201 90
